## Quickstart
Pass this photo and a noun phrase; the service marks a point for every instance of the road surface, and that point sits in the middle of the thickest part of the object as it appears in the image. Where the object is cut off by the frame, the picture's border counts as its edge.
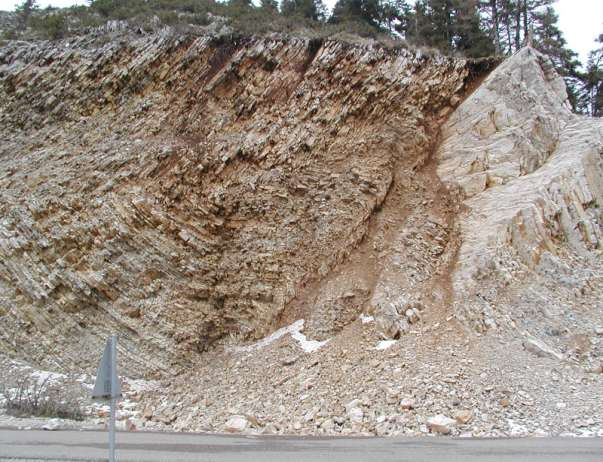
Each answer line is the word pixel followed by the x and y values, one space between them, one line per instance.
pixel 37 445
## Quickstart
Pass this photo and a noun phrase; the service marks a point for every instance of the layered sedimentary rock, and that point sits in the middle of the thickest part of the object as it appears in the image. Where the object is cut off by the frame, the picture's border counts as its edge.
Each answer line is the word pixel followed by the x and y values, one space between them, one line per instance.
pixel 186 191
pixel 531 173
pixel 181 189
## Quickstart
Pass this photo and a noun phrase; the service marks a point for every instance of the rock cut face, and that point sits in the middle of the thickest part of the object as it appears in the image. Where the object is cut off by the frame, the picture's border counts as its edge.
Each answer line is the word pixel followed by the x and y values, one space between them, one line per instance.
pixel 532 176
pixel 179 190
pixel 185 191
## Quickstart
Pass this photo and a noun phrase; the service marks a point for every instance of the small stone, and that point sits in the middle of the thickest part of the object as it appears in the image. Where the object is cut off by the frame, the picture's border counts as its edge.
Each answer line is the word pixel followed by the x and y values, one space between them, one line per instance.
pixel 540 349
pixel 440 424
pixel 309 416
pixel 289 361
pixel 599 330
pixel 134 313
pixel 356 415
pixel 407 404
pixel 126 425
pixel 463 416
pixel 236 424
pixel 167 417
pixel 505 402
pixel 327 425
pixel 339 420
pixel 352 404
pixel 269 429
pixel 253 421
pixel 52 425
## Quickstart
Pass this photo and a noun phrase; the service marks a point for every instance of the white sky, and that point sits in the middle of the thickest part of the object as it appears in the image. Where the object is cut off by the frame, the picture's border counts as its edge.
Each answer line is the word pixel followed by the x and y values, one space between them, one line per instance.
pixel 580 20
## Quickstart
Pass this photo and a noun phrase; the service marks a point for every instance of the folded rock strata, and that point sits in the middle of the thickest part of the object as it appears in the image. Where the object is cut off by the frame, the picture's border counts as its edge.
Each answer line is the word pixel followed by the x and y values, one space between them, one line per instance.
pixel 186 190
pixel 181 190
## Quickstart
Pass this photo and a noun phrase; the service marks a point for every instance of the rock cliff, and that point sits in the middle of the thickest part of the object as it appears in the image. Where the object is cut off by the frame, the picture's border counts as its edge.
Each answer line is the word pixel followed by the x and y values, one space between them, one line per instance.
pixel 209 198
pixel 531 174
pixel 181 189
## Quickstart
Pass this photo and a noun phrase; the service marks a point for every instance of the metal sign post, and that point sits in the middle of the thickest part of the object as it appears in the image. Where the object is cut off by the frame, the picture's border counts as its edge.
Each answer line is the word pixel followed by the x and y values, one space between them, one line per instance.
pixel 107 387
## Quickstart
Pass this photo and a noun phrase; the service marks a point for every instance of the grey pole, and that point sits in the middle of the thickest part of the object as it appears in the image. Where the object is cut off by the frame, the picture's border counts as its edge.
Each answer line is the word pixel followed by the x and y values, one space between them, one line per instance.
pixel 113 398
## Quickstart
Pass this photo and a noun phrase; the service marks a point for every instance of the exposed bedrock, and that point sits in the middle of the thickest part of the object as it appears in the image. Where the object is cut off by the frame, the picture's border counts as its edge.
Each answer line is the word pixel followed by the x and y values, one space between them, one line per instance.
pixel 187 191
pixel 180 190
pixel 531 173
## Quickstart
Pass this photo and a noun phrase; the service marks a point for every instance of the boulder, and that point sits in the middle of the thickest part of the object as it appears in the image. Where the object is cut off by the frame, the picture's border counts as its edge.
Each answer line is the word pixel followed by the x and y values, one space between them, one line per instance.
pixel 356 415
pixel 463 416
pixel 440 424
pixel 52 425
pixel 541 349
pixel 389 322
pixel 236 424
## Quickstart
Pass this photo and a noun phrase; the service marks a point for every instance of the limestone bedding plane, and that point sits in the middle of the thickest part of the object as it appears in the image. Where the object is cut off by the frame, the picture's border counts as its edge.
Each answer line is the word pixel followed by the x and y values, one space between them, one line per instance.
pixel 531 174
pixel 303 236
pixel 182 190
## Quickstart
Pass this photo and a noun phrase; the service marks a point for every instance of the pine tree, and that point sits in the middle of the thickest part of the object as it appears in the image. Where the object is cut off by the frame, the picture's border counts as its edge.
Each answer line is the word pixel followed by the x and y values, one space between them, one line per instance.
pixel 398 16
pixel 510 21
pixel 441 22
pixel 418 24
pixel 450 26
pixel 495 27
pixel 24 12
pixel 240 3
pixel 468 35
pixel 311 9
pixel 549 40
pixel 269 5
pixel 375 13
pixel 591 97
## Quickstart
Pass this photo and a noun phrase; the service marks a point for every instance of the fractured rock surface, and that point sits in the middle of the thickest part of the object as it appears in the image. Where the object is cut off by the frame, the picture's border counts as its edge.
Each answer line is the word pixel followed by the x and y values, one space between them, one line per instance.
pixel 180 189
pixel 305 237
pixel 532 175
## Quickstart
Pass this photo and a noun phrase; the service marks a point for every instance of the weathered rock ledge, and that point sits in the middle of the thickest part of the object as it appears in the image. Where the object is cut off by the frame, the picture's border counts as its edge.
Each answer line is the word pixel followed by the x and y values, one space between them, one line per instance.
pixel 180 189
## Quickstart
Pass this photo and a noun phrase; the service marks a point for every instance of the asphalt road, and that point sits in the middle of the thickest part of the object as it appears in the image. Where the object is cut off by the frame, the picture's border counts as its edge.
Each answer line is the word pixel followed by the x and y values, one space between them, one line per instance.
pixel 36 445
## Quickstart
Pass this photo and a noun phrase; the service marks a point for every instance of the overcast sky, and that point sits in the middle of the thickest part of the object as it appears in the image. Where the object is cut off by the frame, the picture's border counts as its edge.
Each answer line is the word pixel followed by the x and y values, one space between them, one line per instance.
pixel 580 20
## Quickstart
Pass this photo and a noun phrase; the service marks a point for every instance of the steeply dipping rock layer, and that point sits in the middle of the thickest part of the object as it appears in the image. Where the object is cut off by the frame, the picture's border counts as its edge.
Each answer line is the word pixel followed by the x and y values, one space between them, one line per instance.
pixel 532 175
pixel 180 189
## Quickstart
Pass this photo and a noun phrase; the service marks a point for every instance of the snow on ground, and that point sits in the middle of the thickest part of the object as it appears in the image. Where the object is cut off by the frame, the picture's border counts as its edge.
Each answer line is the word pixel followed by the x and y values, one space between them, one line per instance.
pixel 385 344
pixel 294 330
pixel 366 319
pixel 46 376
pixel 307 345
pixel 95 411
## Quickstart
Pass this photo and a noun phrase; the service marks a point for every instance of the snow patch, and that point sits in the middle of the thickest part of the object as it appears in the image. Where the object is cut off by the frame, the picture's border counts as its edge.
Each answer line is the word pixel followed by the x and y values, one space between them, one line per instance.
pixel 294 330
pixel 385 344
pixel 46 376
pixel 365 318
pixel 307 345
